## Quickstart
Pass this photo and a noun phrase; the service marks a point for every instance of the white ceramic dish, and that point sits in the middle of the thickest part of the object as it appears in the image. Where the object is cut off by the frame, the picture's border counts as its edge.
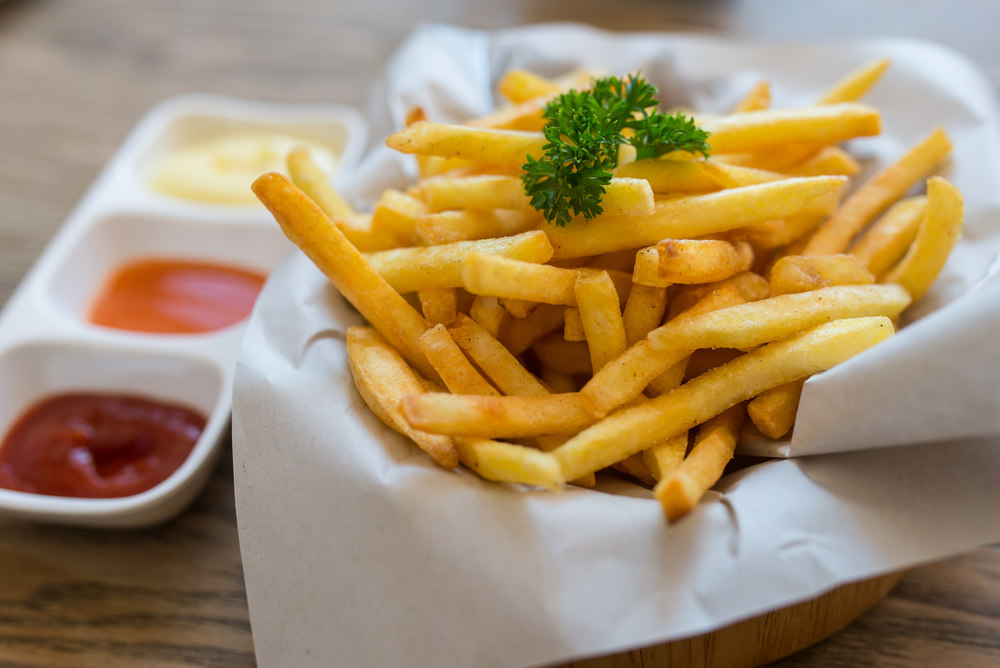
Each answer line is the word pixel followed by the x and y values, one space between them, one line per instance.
pixel 48 347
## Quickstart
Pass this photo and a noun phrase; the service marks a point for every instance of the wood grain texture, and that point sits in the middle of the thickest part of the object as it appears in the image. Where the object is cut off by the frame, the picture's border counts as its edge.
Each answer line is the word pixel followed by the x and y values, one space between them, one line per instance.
pixel 74 80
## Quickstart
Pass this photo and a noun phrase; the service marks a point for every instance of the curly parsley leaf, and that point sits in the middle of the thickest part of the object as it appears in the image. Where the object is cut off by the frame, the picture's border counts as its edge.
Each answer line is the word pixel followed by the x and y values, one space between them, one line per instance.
pixel 584 131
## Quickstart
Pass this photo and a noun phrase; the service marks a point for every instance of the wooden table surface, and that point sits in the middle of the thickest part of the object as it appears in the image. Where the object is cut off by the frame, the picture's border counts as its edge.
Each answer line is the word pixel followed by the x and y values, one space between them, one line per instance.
pixel 76 77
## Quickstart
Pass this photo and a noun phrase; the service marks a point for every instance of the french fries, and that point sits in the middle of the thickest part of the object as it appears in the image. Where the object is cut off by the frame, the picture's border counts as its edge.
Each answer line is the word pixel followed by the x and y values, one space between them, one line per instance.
pixel 576 339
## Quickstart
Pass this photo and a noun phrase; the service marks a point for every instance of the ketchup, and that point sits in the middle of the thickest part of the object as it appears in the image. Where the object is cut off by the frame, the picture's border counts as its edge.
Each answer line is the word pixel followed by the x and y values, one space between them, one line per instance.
pixel 176 297
pixel 96 446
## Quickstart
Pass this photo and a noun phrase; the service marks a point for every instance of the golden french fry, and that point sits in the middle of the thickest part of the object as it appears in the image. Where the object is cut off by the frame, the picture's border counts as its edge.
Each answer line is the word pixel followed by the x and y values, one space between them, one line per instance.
pixel 751 287
pixel 525 115
pixel 855 84
pixel 506 462
pixel 522 85
pixel 397 213
pixel 802 273
pixel 776 233
pixel 688 261
pixel 497 276
pixel 521 334
pixel 707 359
pixel 436 267
pixel 601 316
pixel 640 427
pixel 573 331
pixel 834 236
pixel 439 306
pixel 569 357
pixel 773 158
pixel 495 417
pixel 357 229
pixel 773 411
pixel 940 229
pixel 886 241
pixel 734 176
pixel 488 313
pixel 624 379
pixel 663 458
pixel 676 176
pixel 383 378
pixel 689 217
pixel 758 98
pixel 434 229
pixel 315 184
pixel 478 145
pixel 305 224
pixel 622 196
pixel 496 361
pixel 830 160
pixel 714 446
pixel 643 312
pixel 451 364
pixel 518 308
pixel 827 124
pixel 752 324
pixel 669 380
pixel 636 467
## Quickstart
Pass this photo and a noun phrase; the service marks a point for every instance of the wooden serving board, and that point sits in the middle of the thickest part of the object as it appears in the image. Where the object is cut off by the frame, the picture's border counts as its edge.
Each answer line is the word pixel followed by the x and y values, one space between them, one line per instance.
pixel 759 640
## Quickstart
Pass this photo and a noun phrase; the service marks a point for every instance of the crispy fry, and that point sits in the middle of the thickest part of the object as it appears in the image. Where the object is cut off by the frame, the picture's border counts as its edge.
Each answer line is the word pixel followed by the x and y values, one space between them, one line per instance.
pixel 439 306
pixel 601 316
pixel 436 267
pixel 383 378
pixel 802 273
pixel 315 184
pixel 506 462
pixel 773 158
pixel 479 145
pixel 522 85
pixel 357 229
pixel 636 467
pixel 309 228
pixel 676 176
pixel 451 364
pixel 830 160
pixel 624 379
pixel 573 331
pixel 773 411
pixel 637 428
pixel 827 124
pixel 643 312
pixel 939 231
pixel 835 235
pixel 687 261
pixel 495 417
pixel 714 446
pixel 855 84
pixel 434 229
pixel 622 196
pixel 663 458
pixel 397 213
pixel 518 308
pixel 689 217
pixel 752 324
pixel 488 313
pixel 887 240
pixel 758 98
pixel 521 334
pixel 492 275
pixel 496 361
pixel 751 287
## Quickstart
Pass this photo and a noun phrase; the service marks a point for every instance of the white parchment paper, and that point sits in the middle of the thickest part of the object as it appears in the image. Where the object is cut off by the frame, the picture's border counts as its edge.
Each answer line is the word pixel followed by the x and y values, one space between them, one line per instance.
pixel 358 551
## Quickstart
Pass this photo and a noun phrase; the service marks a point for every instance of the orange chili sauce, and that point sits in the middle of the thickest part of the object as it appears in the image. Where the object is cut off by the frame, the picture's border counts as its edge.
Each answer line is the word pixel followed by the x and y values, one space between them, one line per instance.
pixel 97 446
pixel 176 297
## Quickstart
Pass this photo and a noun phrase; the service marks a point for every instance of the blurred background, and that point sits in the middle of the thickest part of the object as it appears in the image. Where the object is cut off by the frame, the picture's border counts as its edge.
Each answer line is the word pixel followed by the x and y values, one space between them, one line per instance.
pixel 76 77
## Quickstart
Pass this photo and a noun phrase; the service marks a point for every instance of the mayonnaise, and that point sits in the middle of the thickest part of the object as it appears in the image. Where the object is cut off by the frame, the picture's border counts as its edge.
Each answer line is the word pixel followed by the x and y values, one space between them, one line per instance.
pixel 220 169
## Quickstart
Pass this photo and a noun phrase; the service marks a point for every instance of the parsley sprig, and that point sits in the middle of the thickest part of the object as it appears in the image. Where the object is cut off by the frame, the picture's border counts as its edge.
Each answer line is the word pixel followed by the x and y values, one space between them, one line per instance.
pixel 584 132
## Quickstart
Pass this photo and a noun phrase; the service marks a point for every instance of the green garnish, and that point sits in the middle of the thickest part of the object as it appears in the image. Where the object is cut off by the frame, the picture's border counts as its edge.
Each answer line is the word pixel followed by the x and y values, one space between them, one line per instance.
pixel 584 132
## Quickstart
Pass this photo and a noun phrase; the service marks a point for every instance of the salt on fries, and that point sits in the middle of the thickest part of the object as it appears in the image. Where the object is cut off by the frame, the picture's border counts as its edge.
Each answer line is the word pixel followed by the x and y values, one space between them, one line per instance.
pixel 575 339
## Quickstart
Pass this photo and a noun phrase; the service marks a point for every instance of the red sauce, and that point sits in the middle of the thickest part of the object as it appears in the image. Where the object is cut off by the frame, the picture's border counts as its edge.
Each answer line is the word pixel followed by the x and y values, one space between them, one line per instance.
pixel 176 297
pixel 96 446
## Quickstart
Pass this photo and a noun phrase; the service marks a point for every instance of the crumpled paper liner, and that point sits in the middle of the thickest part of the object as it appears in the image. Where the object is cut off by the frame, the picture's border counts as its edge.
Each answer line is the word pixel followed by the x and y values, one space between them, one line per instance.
pixel 359 551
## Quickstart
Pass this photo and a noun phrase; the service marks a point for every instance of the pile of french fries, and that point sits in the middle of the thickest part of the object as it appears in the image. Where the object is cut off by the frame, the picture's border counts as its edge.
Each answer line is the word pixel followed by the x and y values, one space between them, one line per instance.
pixel 641 339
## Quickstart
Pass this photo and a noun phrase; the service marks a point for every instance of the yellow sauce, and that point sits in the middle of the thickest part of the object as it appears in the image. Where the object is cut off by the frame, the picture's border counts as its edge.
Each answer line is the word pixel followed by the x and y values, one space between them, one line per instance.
pixel 220 169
